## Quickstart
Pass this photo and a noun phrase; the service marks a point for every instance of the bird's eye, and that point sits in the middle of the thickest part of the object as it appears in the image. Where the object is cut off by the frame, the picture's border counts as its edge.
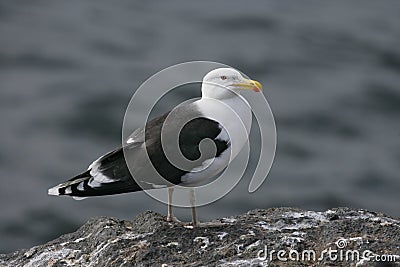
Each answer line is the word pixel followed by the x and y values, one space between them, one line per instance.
pixel 223 77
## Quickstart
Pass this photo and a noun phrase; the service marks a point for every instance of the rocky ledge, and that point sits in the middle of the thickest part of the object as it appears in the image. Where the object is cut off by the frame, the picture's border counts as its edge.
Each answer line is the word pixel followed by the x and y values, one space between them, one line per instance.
pixel 273 237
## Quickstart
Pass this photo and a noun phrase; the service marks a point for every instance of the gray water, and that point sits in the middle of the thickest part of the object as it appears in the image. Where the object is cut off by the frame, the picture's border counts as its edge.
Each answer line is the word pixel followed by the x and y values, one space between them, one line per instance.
pixel 68 69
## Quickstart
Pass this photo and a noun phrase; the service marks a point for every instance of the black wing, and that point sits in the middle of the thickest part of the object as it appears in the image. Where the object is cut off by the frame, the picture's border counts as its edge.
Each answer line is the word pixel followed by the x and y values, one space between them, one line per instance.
pixel 110 174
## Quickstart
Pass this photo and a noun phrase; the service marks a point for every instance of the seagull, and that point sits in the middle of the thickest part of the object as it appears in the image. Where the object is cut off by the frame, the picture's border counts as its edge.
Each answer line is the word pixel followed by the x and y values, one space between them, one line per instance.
pixel 220 116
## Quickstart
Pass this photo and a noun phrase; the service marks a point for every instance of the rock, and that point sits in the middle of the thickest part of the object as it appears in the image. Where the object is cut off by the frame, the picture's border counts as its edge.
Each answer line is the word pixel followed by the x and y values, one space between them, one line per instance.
pixel 251 239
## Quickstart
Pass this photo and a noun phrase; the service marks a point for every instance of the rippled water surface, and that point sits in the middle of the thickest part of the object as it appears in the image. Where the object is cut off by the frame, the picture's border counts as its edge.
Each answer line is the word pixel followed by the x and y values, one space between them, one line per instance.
pixel 68 69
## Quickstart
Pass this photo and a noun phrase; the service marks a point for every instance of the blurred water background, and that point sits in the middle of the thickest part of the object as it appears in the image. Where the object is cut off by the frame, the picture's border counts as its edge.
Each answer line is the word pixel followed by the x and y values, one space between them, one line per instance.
pixel 68 69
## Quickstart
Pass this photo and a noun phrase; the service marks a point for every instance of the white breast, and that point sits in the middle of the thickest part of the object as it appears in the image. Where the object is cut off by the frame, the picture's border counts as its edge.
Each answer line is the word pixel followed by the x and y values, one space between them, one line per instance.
pixel 234 114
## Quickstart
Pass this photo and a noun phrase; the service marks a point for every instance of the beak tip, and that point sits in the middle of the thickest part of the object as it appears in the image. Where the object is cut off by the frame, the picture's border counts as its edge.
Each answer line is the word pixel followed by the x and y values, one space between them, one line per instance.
pixel 257 87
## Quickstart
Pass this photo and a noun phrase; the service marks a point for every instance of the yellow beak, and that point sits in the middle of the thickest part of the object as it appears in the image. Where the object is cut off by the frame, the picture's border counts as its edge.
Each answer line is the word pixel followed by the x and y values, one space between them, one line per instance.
pixel 250 85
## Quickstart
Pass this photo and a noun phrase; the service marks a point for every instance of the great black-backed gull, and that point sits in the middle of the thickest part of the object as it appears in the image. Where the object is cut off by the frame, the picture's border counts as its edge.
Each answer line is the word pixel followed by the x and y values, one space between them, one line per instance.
pixel 212 119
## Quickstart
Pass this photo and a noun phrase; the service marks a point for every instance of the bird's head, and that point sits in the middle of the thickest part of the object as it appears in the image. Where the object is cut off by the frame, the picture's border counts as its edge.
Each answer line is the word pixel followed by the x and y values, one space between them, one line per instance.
pixel 220 82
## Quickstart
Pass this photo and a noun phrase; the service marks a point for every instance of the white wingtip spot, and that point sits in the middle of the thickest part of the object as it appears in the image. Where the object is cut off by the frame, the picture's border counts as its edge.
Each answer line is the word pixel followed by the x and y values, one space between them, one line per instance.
pixel 53 191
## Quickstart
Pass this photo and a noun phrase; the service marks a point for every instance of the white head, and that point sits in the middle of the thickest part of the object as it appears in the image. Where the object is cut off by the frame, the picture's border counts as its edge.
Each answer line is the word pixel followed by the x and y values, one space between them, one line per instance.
pixel 220 83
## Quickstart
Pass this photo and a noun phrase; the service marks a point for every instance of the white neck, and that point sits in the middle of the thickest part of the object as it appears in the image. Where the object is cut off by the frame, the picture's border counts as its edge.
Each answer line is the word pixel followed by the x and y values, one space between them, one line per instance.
pixel 229 112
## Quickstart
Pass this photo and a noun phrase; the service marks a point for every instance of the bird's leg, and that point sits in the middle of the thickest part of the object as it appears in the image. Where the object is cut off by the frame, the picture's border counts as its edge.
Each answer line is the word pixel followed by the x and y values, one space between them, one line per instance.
pixel 193 204
pixel 170 216
pixel 169 210
pixel 195 222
